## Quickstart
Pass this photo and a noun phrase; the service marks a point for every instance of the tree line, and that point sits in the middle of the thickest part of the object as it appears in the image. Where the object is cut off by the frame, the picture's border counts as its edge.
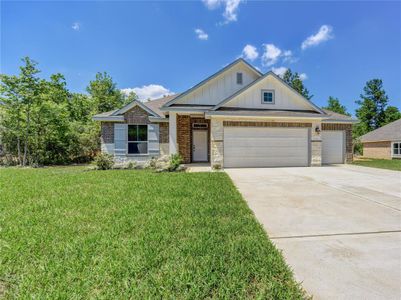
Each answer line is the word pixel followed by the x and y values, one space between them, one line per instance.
pixel 42 122
pixel 373 111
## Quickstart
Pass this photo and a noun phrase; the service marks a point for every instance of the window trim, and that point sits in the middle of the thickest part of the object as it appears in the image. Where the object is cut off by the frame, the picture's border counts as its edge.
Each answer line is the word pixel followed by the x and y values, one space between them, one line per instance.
pixel 262 96
pixel 147 140
pixel 240 75
pixel 399 149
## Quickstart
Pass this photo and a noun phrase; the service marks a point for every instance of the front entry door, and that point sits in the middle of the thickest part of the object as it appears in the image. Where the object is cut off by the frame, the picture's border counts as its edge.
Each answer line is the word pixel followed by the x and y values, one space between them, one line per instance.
pixel 199 145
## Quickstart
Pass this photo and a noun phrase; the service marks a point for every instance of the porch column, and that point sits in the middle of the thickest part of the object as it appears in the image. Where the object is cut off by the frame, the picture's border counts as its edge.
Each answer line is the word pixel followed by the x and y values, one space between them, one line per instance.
pixel 216 143
pixel 172 139
pixel 316 145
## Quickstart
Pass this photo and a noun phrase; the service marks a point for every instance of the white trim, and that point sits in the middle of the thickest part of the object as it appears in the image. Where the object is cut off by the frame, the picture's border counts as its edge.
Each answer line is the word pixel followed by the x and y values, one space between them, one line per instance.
pixel 172 133
pixel 109 118
pixel 262 95
pixel 399 149
pixel 147 141
pixel 158 120
pixel 132 105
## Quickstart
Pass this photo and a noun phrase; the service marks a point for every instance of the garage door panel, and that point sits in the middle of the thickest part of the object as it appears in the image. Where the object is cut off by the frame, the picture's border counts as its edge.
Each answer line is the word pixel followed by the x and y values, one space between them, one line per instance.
pixel 265 147
pixel 333 147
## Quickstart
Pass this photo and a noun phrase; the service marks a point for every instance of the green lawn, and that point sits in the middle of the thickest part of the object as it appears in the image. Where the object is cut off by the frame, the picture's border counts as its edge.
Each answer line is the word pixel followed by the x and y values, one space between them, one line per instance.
pixel 394 164
pixel 66 233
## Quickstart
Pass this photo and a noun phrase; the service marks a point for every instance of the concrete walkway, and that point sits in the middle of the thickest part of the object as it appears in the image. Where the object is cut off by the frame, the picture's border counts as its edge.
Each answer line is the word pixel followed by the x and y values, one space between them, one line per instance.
pixel 339 226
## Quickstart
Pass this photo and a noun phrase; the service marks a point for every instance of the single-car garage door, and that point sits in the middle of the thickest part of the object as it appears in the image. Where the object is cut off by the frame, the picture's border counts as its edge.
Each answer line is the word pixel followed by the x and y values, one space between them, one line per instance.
pixel 332 147
pixel 265 147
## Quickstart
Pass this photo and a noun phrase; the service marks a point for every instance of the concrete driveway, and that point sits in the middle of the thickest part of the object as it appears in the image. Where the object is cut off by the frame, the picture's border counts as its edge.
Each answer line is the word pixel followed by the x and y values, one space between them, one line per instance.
pixel 339 226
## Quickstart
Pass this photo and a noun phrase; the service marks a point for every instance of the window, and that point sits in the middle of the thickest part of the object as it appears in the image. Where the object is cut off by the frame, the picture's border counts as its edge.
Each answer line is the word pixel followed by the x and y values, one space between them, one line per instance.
pixel 267 96
pixel 397 149
pixel 137 139
pixel 239 78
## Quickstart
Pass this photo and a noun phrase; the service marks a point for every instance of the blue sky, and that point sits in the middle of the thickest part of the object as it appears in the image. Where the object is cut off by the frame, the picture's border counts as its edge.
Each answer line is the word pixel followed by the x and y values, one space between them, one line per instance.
pixel 155 47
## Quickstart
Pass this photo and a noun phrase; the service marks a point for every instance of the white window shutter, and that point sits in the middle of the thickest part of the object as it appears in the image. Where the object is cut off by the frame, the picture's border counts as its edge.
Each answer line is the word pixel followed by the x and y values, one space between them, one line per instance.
pixel 153 139
pixel 120 139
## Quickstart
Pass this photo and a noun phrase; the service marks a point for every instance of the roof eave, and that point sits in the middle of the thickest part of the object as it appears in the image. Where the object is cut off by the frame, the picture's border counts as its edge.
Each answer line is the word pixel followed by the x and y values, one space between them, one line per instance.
pixel 108 118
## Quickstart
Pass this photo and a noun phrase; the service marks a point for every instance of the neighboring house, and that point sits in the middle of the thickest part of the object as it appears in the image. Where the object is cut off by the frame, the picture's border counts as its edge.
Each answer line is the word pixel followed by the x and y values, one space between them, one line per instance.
pixel 237 117
pixel 384 142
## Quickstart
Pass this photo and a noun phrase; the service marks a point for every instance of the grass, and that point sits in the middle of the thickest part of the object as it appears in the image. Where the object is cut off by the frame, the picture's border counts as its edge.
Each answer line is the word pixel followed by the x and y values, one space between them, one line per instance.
pixel 67 233
pixel 394 164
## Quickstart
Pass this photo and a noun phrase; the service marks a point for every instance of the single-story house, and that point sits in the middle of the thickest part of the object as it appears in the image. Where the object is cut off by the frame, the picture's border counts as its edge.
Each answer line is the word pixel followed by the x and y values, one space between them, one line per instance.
pixel 384 142
pixel 237 117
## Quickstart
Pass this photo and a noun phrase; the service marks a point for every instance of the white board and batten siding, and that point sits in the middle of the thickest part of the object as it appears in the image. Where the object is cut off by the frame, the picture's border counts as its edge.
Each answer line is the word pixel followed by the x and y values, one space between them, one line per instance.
pixel 333 147
pixel 265 147
pixel 284 98
pixel 121 141
pixel 221 87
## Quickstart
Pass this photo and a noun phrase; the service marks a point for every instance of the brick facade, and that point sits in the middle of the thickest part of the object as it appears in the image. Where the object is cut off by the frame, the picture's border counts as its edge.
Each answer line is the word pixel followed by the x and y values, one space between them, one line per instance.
pixel 136 115
pixel 348 137
pixel 163 132
pixel 184 137
pixel 377 150
pixel 107 133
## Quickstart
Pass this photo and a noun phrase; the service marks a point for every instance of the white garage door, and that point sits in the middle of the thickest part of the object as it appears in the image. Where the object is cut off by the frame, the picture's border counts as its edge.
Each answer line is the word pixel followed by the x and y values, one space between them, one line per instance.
pixel 265 147
pixel 332 147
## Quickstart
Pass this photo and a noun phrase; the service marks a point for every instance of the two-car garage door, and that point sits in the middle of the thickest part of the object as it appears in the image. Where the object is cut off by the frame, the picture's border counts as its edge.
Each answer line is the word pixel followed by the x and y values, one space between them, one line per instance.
pixel 265 147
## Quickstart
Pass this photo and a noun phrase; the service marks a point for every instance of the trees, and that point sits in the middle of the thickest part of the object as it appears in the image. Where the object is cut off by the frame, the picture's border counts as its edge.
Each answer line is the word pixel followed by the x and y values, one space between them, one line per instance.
pixel 41 122
pixel 334 105
pixel 294 80
pixel 104 93
pixel 372 112
pixel 391 114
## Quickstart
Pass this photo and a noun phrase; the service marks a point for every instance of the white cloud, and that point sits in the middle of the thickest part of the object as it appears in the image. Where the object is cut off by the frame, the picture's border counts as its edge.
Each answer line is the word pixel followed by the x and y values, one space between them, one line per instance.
pixel 76 26
pixel 324 34
pixel 151 91
pixel 201 34
pixel 270 55
pixel 230 8
pixel 250 52
pixel 279 71
pixel 303 76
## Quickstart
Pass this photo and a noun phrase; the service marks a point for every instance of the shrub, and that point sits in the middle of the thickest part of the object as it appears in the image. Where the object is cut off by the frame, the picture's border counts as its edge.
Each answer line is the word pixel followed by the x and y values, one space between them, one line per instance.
pixel 175 162
pixel 104 161
pixel 216 167
pixel 8 160
pixel 131 165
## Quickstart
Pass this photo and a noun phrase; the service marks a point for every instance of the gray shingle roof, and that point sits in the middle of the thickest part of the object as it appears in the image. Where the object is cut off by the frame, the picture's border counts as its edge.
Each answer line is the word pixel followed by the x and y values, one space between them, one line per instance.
pixel 336 116
pixel 389 132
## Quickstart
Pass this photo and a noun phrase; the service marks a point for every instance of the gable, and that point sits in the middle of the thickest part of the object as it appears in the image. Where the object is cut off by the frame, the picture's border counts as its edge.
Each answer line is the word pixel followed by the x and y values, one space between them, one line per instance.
pixel 219 86
pixel 285 98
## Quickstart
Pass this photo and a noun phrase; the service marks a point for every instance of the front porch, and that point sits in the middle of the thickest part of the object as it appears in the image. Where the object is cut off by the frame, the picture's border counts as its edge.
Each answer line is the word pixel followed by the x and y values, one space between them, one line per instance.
pixel 193 138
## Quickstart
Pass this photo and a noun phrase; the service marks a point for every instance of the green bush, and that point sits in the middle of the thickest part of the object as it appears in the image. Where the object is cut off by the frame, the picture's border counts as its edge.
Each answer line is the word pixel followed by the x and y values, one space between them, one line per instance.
pixel 175 161
pixel 104 161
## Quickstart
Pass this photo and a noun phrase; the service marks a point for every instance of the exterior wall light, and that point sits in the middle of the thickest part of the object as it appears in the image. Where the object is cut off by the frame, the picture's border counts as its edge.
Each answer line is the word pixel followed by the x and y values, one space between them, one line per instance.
pixel 317 129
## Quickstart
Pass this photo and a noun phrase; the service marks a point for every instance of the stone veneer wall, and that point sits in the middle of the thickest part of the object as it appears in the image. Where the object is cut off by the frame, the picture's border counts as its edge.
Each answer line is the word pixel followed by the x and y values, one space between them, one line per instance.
pixel 216 143
pixel 107 133
pixel 348 137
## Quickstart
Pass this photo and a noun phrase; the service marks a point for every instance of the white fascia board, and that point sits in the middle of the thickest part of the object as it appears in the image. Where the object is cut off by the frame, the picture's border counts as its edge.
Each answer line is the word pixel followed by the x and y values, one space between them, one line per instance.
pixel 233 117
pixel 185 109
pixel 353 121
pixel 109 118
pixel 158 120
